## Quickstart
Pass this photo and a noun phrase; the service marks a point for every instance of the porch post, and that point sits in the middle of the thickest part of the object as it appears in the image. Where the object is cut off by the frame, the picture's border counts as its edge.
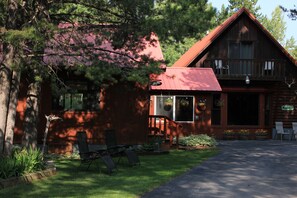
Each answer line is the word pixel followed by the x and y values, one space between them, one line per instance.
pixel 261 110
pixel 224 110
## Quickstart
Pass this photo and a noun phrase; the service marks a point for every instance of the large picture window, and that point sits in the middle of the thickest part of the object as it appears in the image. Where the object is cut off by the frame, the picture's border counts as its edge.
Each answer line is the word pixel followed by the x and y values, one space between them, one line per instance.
pixel 178 108
pixel 78 96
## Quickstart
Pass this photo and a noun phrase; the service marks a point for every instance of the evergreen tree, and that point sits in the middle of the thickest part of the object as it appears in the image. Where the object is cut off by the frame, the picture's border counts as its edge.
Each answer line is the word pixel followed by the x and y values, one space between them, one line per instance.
pixel 179 24
pixel 292 13
pixel 27 26
pixel 251 5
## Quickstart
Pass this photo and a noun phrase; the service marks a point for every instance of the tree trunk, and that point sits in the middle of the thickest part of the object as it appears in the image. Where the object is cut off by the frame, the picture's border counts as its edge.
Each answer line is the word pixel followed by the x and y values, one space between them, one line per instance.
pixel 31 115
pixel 11 116
pixel 5 82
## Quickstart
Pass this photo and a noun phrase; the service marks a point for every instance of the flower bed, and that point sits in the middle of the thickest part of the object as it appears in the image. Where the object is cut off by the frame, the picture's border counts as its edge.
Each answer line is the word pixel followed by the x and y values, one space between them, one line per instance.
pixel 261 134
pixel 230 134
pixel 244 134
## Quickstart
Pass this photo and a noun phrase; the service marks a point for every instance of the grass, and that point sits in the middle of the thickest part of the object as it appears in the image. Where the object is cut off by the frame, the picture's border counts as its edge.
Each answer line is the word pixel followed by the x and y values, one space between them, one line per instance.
pixel 72 180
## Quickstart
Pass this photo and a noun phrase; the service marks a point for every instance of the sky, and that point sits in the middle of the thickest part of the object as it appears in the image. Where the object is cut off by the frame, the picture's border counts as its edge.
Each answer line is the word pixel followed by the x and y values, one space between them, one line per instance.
pixel 267 7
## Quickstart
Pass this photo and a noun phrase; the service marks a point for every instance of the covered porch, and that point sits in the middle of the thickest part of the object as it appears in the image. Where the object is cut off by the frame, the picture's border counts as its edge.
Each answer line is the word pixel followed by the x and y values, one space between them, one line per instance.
pixel 180 102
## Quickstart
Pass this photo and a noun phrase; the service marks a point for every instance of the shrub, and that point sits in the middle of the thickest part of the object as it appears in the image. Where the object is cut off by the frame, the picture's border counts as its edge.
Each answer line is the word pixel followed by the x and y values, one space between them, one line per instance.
pixel 22 161
pixel 7 167
pixel 197 140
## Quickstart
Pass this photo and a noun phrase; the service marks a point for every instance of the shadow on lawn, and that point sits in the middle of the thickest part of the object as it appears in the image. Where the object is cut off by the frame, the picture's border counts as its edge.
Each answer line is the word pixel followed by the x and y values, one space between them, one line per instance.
pixel 72 180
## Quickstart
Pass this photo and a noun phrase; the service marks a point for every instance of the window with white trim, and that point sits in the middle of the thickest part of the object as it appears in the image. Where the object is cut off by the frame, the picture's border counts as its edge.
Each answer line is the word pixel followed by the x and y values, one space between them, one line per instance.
pixel 177 108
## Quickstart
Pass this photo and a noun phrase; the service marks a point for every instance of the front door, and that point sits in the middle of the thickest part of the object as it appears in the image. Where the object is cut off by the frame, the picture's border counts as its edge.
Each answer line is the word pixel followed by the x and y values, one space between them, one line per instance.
pixel 243 109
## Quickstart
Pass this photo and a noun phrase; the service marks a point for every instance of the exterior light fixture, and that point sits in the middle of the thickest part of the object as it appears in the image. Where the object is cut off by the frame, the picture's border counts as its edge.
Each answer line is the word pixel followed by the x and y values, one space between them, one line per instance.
pixel 247 80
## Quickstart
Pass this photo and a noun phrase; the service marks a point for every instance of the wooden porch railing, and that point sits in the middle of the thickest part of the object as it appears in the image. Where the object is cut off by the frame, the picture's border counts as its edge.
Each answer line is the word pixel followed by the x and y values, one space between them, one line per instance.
pixel 164 127
pixel 269 69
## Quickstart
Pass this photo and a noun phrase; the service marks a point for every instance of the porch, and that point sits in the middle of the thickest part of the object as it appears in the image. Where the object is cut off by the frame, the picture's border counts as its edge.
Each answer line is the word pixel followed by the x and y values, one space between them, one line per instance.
pixel 163 128
pixel 269 69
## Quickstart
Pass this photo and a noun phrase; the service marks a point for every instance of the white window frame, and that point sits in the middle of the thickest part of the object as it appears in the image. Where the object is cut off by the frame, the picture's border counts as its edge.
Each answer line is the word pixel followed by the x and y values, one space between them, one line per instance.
pixel 174 110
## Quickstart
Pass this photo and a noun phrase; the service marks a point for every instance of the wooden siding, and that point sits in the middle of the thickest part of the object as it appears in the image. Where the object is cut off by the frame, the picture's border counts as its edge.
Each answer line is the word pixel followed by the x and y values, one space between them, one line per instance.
pixel 243 29
pixel 122 107
pixel 284 96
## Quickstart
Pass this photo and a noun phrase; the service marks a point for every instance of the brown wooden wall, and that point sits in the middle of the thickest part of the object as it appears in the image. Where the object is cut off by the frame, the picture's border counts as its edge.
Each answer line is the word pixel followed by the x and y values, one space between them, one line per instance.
pixel 122 107
pixel 284 95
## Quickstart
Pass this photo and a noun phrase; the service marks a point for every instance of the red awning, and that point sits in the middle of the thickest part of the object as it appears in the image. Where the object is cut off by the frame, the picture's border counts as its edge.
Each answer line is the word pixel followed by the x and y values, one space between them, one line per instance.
pixel 191 79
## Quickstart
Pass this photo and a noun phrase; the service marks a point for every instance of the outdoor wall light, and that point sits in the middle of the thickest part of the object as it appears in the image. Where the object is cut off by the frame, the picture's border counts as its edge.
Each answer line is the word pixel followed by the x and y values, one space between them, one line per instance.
pixel 247 80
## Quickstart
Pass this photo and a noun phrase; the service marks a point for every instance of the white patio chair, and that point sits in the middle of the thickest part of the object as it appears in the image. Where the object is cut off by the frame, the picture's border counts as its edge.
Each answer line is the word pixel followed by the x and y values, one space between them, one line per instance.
pixel 280 130
pixel 294 128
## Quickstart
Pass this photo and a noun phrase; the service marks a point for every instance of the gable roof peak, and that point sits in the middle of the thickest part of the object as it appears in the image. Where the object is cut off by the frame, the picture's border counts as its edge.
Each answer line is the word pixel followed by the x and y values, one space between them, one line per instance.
pixel 199 47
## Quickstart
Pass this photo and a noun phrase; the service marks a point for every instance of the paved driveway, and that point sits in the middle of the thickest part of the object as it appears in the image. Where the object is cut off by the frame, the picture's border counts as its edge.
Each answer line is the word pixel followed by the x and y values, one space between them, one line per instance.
pixel 242 169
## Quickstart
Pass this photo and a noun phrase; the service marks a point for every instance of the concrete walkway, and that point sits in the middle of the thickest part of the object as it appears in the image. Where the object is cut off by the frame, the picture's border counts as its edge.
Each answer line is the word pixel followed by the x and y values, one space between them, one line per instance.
pixel 242 169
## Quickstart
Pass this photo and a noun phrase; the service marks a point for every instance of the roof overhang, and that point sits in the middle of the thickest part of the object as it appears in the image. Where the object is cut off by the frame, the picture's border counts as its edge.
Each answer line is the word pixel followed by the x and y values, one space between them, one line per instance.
pixel 186 79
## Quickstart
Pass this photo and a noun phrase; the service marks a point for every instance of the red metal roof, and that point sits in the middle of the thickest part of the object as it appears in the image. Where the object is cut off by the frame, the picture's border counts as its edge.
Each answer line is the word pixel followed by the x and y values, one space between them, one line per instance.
pixel 190 79
pixel 78 47
pixel 187 58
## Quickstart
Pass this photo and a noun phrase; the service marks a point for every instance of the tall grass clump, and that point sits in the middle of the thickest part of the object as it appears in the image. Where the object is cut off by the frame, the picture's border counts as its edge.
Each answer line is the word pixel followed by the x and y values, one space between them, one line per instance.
pixel 20 162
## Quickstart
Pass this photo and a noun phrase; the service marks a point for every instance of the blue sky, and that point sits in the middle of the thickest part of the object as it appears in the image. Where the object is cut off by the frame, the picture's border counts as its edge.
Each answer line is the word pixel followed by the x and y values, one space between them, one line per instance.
pixel 267 7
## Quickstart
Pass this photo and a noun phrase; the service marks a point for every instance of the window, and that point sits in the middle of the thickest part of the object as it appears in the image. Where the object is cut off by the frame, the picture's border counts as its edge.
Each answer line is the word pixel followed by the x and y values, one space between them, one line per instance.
pixel 178 108
pixel 241 55
pixel 78 96
pixel 164 106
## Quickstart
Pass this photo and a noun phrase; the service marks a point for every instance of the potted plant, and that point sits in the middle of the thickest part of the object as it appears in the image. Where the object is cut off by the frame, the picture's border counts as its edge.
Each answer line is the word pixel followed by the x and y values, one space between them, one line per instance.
pixel 244 134
pixel 168 103
pixel 201 104
pixel 261 134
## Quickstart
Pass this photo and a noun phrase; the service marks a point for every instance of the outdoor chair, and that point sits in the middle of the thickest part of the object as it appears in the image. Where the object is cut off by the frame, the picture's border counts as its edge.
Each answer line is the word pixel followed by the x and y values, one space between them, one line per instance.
pixel 294 130
pixel 120 150
pixel 280 130
pixel 88 157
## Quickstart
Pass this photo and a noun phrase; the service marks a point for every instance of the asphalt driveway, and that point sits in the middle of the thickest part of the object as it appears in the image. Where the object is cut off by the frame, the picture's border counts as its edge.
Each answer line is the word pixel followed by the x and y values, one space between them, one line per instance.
pixel 242 169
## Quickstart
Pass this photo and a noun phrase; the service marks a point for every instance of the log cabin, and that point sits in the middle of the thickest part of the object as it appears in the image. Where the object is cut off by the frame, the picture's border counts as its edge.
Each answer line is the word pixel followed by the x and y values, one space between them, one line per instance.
pixel 237 77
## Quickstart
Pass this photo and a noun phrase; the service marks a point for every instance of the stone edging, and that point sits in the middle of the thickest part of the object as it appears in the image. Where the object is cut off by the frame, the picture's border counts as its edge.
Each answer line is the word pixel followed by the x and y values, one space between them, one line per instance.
pixel 27 178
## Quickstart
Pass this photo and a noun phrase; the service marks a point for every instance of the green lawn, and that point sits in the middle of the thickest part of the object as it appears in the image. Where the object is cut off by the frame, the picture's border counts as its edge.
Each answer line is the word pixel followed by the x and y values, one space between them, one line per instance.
pixel 74 181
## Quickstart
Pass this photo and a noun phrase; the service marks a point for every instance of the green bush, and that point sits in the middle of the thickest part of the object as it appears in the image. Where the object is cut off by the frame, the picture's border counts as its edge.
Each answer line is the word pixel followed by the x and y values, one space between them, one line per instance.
pixel 7 167
pixel 197 140
pixel 22 161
